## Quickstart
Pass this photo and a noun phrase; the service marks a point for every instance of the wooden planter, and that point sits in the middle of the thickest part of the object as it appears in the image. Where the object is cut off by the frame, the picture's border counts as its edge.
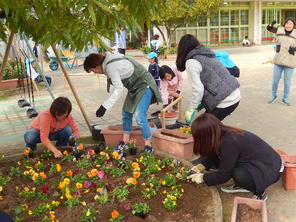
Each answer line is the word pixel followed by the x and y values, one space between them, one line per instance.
pixel 289 175
pixel 9 84
pixel 173 142
pixel 254 204
pixel 114 134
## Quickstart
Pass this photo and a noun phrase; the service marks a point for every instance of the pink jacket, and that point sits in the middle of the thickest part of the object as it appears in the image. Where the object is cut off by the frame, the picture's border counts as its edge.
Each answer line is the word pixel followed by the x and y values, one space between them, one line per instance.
pixel 47 124
pixel 168 87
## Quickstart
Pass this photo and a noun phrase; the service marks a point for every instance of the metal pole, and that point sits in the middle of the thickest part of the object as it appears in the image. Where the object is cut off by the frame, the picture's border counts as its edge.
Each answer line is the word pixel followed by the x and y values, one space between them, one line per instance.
pixel 38 67
pixel 71 86
pixel 5 59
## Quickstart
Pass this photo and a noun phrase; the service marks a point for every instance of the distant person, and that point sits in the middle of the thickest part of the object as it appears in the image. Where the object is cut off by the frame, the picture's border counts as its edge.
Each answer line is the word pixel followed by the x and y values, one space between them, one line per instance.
pixel 171 84
pixel 155 44
pixel 212 85
pixel 238 154
pixel 53 124
pixel 35 50
pixel 246 41
pixel 31 72
pixel 284 59
pixel 153 67
pixel 120 39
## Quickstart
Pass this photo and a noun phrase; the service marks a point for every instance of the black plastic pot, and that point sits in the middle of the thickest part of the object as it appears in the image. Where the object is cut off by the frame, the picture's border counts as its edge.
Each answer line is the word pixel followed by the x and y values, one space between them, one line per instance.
pixel 96 133
pixel 99 147
pixel 141 215
pixel 133 151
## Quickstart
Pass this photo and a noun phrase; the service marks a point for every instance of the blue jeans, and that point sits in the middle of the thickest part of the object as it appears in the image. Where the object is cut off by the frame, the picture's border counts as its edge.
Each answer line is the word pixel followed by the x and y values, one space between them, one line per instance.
pixel 32 137
pixel 141 116
pixel 277 74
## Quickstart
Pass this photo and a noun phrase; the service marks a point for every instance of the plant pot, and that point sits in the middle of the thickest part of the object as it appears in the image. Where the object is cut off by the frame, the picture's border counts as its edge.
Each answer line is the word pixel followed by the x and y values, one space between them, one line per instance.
pixel 114 134
pixel 170 118
pixel 133 151
pixel 173 142
pixel 9 84
pixel 141 215
pixel 254 204
pixel 289 175
pixel 96 133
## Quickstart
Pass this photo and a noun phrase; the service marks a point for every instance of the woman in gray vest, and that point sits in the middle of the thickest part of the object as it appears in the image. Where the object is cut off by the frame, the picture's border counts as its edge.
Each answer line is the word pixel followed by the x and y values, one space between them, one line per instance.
pixel 284 59
pixel 142 91
pixel 212 85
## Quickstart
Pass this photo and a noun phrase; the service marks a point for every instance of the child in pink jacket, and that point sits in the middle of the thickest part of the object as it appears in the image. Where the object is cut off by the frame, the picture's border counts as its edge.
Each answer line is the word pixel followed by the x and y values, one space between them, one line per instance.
pixel 171 84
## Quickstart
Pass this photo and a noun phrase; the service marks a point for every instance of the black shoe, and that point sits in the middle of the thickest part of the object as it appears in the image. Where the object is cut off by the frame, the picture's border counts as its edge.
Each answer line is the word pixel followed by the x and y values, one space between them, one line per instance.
pixel 148 149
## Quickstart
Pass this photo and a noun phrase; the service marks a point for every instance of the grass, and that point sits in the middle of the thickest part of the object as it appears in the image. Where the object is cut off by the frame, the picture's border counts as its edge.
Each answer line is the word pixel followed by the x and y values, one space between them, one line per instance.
pixel 3 98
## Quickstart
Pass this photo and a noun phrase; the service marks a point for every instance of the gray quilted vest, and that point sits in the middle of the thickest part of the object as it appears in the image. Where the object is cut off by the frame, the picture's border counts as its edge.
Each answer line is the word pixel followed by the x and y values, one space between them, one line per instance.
pixel 217 81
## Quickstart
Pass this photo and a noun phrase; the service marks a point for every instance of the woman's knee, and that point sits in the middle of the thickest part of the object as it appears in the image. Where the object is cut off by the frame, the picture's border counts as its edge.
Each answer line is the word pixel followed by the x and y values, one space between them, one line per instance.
pixel 31 136
pixel 67 131
pixel 141 119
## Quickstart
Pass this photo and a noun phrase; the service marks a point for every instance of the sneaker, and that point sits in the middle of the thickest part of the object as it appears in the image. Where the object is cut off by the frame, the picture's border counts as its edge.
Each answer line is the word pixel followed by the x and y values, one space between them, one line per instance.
pixel 263 196
pixel 286 102
pixel 148 149
pixel 273 100
pixel 234 189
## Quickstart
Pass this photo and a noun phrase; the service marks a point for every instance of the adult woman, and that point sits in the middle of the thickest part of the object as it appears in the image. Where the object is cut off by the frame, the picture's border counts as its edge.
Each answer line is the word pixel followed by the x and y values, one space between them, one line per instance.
pixel 239 154
pixel 210 81
pixel 55 123
pixel 142 91
pixel 171 84
pixel 284 59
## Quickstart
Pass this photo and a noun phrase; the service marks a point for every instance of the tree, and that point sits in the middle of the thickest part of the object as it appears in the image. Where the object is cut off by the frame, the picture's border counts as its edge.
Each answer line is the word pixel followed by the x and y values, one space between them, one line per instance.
pixel 73 23
pixel 177 13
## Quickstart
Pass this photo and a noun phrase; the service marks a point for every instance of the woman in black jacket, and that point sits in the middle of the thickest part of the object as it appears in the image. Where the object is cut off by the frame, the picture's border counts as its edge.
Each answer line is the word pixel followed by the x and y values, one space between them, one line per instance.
pixel 239 154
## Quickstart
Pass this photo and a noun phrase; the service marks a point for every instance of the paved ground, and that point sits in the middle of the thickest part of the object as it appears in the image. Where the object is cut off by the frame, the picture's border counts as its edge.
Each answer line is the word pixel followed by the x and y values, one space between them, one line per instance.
pixel 274 123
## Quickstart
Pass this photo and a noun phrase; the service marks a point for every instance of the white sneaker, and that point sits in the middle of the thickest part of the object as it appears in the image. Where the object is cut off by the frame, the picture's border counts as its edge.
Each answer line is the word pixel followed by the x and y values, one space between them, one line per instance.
pixel 234 189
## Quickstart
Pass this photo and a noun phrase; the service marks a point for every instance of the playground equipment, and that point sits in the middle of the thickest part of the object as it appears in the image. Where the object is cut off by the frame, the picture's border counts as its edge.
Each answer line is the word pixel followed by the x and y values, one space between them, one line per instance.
pixel 69 59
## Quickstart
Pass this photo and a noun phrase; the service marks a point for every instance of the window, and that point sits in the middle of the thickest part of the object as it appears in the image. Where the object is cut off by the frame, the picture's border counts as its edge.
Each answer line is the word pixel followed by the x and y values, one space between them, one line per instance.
pixel 234 34
pixel 202 35
pixel 180 33
pixel 192 32
pixel 234 17
pixel 244 32
pixel 214 35
pixel 224 34
pixel 244 17
pixel 214 21
pixel 224 17
pixel 202 21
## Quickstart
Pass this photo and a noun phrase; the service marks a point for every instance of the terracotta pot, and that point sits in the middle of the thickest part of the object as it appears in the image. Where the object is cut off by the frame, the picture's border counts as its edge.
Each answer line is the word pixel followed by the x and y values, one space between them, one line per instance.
pixel 170 118
pixel 289 175
pixel 173 142
pixel 255 204
pixel 114 134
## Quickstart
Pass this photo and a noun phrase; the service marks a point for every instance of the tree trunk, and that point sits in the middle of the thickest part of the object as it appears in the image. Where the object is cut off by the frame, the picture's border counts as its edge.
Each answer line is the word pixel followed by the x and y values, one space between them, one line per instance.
pixel 162 34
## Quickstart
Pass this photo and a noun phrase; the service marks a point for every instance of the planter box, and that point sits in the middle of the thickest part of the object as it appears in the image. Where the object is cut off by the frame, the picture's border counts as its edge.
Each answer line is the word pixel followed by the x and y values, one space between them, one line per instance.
pixel 173 142
pixel 254 204
pixel 9 84
pixel 114 134
pixel 289 175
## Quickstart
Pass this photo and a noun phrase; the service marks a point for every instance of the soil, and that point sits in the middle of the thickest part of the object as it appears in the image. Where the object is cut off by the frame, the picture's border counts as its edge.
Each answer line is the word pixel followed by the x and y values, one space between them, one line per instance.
pixel 247 214
pixel 172 135
pixel 195 205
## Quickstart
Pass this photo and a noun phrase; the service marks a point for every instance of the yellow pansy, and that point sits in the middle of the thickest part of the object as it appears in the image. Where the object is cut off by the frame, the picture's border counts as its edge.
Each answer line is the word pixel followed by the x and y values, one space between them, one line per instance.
pixel 58 167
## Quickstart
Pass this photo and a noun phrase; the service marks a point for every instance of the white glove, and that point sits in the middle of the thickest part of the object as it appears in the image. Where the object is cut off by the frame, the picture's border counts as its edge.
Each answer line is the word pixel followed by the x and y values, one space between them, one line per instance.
pixel 197 178
pixel 196 169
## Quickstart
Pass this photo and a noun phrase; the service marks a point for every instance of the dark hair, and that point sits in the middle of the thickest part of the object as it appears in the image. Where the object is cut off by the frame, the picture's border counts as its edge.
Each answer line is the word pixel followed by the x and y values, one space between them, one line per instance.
pixel 246 37
pixel 207 131
pixel 60 106
pixel 165 69
pixel 92 61
pixel 155 37
pixel 156 60
pixel 290 19
pixel 186 44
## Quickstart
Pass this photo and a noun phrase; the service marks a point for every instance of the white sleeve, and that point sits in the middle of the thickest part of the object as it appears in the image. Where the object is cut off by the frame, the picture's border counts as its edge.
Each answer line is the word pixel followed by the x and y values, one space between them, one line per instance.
pixel 194 68
pixel 117 85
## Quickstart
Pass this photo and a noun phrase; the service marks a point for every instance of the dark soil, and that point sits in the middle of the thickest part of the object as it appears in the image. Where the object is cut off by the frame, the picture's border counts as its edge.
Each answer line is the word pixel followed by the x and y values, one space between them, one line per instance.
pixel 247 214
pixel 195 205
pixel 172 135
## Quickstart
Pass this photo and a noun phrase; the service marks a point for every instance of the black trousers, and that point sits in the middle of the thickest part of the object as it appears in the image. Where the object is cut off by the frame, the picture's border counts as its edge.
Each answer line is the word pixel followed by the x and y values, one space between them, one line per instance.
pixel 121 51
pixel 221 113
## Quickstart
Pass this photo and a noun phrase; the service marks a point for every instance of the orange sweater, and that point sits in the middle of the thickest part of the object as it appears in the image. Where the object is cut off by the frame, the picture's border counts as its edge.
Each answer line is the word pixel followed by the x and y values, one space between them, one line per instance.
pixel 47 124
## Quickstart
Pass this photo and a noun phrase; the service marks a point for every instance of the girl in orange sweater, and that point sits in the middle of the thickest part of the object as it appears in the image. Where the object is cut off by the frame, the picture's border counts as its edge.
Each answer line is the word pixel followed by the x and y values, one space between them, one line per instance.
pixel 53 124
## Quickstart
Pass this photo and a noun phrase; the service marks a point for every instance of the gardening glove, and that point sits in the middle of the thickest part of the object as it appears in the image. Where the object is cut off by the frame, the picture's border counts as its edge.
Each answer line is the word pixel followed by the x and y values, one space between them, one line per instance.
pixel 189 115
pixel 196 169
pixel 292 50
pixel 200 107
pixel 197 178
pixel 101 111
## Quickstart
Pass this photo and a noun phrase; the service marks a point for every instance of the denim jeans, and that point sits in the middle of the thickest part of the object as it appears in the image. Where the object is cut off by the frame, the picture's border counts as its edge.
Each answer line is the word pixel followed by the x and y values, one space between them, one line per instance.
pixel 277 74
pixel 141 116
pixel 32 137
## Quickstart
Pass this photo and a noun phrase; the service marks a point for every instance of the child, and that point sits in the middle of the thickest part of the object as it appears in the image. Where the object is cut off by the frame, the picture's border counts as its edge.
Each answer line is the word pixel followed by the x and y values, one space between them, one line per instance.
pixel 153 67
pixel 223 57
pixel 31 72
pixel 55 123
pixel 171 84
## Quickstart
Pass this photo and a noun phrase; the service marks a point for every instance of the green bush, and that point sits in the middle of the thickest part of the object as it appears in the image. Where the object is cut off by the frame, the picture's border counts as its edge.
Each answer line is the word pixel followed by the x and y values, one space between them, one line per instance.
pixel 145 49
pixel 11 71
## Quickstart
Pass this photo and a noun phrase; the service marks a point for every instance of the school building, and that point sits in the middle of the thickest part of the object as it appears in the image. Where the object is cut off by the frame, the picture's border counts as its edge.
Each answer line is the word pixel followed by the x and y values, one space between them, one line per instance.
pixel 237 19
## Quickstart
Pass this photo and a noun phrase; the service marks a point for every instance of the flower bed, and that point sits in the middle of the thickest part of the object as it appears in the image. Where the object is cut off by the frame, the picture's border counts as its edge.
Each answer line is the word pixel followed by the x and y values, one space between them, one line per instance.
pixel 101 185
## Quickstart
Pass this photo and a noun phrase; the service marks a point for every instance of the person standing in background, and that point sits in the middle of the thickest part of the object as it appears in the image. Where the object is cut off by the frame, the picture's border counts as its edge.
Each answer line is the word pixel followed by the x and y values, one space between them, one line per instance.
pixel 120 40
pixel 284 59
pixel 155 44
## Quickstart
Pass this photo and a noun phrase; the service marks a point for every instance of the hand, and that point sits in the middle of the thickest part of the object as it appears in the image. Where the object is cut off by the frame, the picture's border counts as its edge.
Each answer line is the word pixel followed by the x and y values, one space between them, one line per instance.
pixel 197 178
pixel 273 23
pixel 200 107
pixel 175 95
pixel 196 169
pixel 101 111
pixel 189 115
pixel 58 154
